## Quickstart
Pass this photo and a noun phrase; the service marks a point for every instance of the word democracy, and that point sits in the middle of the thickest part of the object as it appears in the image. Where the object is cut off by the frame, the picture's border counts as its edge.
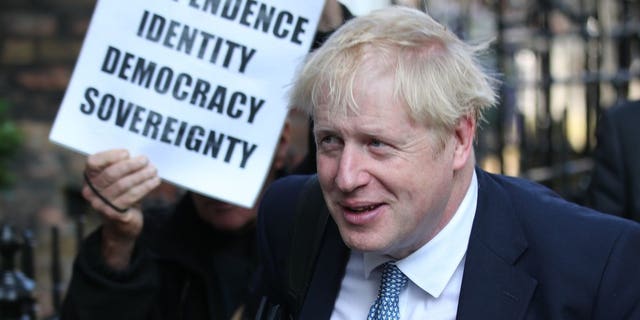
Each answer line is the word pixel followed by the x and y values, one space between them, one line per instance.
pixel 256 15
pixel 181 86
pixel 153 125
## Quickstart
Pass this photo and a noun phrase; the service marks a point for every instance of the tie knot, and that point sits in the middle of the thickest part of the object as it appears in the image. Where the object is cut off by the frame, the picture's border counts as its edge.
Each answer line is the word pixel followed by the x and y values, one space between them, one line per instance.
pixel 393 280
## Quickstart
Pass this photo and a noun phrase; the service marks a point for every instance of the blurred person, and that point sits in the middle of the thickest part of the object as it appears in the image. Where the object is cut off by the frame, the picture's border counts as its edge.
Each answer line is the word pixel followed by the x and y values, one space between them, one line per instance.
pixel 615 182
pixel 191 261
pixel 411 227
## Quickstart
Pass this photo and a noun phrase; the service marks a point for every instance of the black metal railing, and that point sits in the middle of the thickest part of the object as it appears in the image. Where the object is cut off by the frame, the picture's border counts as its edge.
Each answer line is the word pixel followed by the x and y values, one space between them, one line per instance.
pixel 17 301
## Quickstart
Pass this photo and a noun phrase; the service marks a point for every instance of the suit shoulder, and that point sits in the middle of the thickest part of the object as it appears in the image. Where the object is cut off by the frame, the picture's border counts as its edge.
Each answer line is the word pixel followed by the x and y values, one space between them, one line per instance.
pixel 539 207
pixel 278 205
pixel 628 111
pixel 283 193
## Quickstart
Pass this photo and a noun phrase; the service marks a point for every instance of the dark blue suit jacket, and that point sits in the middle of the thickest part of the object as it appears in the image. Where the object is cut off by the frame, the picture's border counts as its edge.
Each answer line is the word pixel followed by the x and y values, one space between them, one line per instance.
pixel 531 255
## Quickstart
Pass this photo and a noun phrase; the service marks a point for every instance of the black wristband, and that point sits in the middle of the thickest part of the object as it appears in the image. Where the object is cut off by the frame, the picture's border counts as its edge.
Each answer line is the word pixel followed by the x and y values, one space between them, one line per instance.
pixel 105 200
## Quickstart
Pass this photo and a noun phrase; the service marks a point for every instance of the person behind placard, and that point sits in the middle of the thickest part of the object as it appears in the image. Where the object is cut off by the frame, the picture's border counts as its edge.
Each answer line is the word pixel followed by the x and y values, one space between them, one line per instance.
pixel 414 229
pixel 191 261
pixel 615 182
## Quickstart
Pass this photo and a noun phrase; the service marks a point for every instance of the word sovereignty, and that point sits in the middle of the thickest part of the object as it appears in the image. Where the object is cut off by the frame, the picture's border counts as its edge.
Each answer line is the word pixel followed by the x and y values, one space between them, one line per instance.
pixel 153 125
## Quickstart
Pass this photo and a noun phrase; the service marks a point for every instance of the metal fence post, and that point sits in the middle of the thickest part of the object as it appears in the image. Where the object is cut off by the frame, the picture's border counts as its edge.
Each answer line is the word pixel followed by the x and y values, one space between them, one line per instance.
pixel 16 289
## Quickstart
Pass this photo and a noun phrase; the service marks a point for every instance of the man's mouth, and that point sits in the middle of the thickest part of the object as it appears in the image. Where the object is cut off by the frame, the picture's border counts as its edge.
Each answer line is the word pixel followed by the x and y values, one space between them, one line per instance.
pixel 361 209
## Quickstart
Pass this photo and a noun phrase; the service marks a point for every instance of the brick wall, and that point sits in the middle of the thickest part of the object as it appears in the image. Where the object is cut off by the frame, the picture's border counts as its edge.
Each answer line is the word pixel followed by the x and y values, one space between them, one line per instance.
pixel 39 43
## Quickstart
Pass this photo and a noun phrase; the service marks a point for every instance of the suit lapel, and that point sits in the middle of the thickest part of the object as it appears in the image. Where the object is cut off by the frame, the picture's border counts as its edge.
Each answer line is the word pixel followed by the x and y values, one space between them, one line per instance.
pixel 327 276
pixel 492 286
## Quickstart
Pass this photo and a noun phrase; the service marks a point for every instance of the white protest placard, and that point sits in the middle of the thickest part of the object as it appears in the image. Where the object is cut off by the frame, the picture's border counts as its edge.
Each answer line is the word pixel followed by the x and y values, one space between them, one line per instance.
pixel 198 86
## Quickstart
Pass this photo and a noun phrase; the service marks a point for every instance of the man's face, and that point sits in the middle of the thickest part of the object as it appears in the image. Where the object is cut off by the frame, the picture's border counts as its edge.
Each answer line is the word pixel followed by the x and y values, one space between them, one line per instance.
pixel 386 182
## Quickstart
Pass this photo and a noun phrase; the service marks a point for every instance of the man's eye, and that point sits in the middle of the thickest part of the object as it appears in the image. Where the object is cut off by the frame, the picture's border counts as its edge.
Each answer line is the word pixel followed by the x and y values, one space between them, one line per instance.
pixel 376 143
pixel 328 140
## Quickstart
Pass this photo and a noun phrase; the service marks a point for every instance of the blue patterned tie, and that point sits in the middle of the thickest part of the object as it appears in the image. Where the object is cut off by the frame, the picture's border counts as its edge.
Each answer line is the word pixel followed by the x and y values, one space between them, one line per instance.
pixel 386 305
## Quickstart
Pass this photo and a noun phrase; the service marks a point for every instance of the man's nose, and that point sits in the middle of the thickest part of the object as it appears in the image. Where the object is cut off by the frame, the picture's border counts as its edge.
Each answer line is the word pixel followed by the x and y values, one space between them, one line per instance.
pixel 351 169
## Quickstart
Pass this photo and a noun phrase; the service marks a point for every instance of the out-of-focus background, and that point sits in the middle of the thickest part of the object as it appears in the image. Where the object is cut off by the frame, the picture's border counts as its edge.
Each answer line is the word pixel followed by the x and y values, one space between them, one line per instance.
pixel 561 63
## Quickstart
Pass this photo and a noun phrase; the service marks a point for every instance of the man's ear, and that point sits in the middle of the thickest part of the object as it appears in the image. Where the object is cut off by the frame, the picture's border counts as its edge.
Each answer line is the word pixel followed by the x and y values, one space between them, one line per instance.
pixel 464 135
pixel 280 157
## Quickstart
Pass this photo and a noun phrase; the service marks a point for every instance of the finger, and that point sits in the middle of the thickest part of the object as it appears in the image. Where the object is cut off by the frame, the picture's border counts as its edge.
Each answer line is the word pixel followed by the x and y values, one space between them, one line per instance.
pixel 117 171
pixel 105 200
pixel 103 208
pixel 101 160
pixel 136 193
pixel 130 189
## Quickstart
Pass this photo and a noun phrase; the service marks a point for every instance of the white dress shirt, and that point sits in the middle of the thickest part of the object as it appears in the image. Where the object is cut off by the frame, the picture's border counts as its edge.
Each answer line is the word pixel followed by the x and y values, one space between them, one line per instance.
pixel 434 272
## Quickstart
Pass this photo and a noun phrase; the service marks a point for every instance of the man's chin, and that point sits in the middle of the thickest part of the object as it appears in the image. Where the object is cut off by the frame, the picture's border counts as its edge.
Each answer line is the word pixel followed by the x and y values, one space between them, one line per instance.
pixel 363 241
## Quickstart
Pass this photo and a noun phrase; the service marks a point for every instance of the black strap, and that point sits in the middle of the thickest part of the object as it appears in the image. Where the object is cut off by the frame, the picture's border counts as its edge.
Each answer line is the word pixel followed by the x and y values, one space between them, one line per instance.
pixel 103 198
pixel 308 230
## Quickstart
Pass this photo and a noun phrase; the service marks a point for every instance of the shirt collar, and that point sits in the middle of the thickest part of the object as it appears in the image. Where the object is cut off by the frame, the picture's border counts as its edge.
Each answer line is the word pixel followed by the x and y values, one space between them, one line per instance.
pixel 432 266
